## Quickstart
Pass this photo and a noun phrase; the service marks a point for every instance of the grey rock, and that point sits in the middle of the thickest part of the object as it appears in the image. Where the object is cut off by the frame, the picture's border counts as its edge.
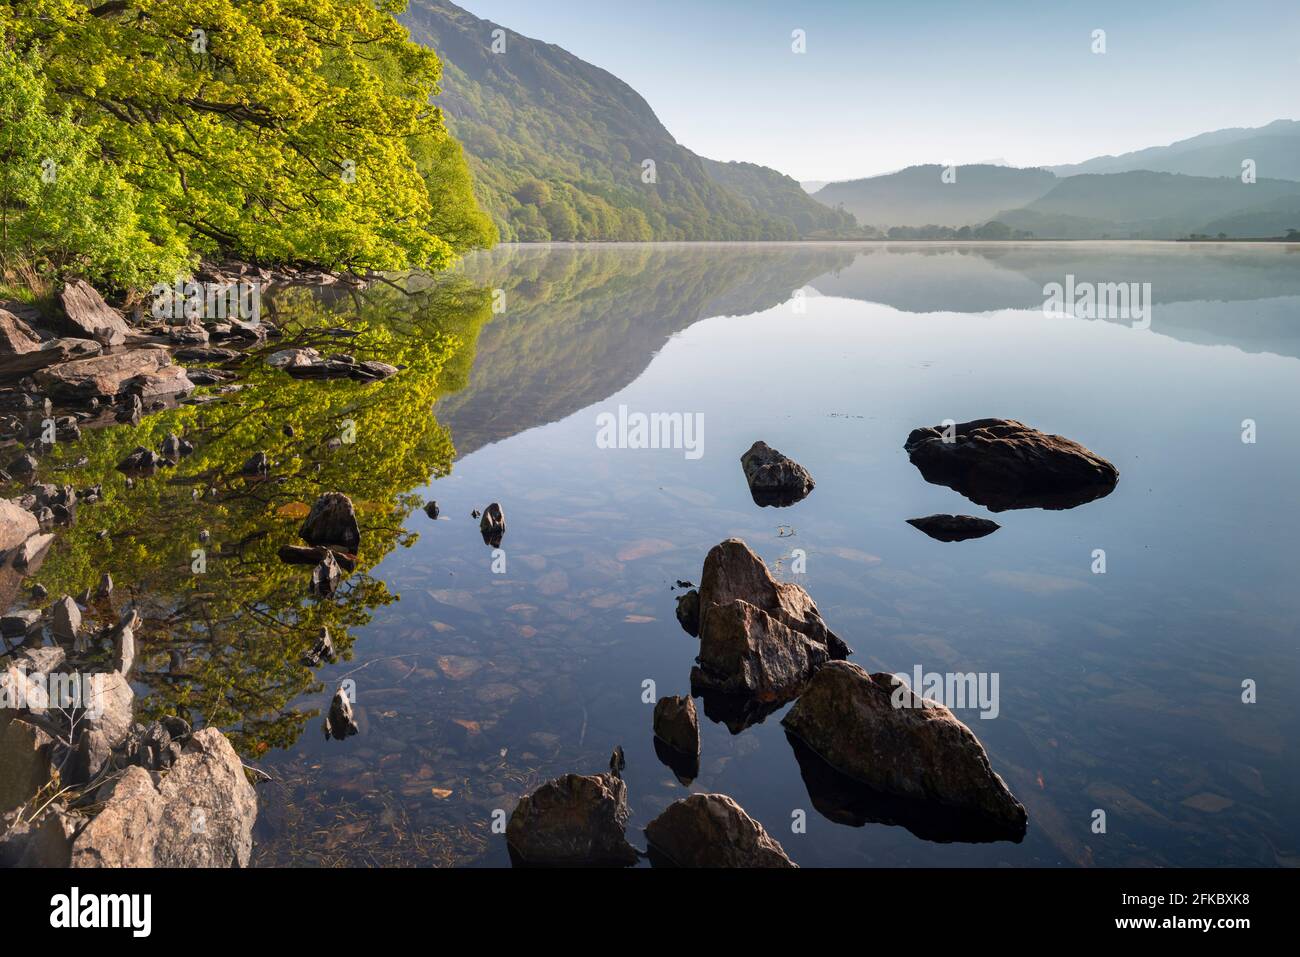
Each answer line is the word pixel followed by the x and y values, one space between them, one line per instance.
pixel 711 830
pixel 339 722
pixel 774 479
pixel 332 521
pixel 576 820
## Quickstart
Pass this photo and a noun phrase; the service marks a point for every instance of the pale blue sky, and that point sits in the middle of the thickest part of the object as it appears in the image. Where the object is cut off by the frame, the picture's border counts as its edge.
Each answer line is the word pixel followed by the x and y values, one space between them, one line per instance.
pixel 886 85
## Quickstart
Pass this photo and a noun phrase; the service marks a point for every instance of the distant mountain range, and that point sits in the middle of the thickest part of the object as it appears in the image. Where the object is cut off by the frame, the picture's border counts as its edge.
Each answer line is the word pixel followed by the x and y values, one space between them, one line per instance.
pixel 562 150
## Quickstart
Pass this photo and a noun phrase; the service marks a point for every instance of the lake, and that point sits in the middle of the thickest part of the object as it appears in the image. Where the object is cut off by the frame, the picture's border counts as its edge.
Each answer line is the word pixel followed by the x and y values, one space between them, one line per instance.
pixel 479 674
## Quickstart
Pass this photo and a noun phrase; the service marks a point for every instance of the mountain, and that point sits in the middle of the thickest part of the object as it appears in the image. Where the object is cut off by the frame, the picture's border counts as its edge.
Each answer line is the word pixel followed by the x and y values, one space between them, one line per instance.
pixel 561 149
pixel 918 196
pixel 1147 205
pixel 1275 148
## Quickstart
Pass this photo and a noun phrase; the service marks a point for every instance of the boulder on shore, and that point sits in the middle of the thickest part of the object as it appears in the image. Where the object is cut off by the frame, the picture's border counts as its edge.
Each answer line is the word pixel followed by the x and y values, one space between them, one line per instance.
pixel 774 479
pixel 711 830
pixel 86 315
pixel 16 337
pixel 954 528
pixel 16 525
pixel 576 820
pixel 874 730
pixel 104 376
pixel 1003 464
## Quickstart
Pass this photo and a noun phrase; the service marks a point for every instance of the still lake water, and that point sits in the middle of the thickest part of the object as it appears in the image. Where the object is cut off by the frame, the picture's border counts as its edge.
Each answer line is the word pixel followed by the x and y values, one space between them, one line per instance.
pixel 1119 691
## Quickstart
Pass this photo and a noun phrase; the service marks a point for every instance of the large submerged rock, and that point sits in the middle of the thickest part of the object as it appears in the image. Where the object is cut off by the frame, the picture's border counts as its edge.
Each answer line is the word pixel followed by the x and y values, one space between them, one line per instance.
pixel 1003 464
pixel 874 730
pixel 577 820
pixel 332 522
pixel 774 479
pixel 745 651
pixel 711 830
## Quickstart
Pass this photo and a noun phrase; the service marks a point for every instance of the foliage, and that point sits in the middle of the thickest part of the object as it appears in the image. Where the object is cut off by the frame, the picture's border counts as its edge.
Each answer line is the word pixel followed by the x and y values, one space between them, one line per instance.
pixel 286 132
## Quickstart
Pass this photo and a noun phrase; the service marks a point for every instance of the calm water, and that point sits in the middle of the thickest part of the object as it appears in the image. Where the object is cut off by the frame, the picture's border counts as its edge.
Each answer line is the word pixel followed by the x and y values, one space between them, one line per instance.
pixel 1119 691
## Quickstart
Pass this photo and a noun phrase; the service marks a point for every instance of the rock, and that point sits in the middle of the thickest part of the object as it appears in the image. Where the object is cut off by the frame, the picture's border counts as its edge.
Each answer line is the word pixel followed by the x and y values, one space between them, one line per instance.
pixel 732 570
pixel 340 723
pixel 17 525
pixel 676 723
pixel 24 465
pixel 1003 464
pixel 711 830
pixel 66 619
pixel 325 577
pixel 288 358
pixel 86 315
pixel 314 555
pixel 105 586
pixel 431 509
pixel 45 843
pixel 745 651
pixel 50 353
pixel 17 624
pixel 174 448
pixel 122 636
pixel 372 371
pixel 30 551
pixel 167 381
pixel 493 525
pixel 774 479
pixel 105 375
pixel 40 592
pixel 141 460
pixel 332 521
pixel 24 762
pixel 16 337
pixel 954 528
pixel 322 650
pixel 257 464
pixel 872 729
pixel 200 813
pixel 325 369
pixel 688 612
pixel 205 354
pixel 576 820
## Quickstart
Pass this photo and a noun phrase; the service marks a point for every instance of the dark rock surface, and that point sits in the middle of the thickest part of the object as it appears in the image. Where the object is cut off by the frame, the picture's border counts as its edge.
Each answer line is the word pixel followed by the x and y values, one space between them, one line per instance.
pixel 744 650
pixel 676 724
pixel 774 479
pixel 492 525
pixel 711 830
pixel 576 820
pixel 332 521
pixel 1003 464
pixel 688 612
pixel 919 753
pixel 954 528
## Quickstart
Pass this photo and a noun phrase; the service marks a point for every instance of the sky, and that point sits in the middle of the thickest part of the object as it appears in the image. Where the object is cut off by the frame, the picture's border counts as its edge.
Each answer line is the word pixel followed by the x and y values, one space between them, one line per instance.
pixel 883 85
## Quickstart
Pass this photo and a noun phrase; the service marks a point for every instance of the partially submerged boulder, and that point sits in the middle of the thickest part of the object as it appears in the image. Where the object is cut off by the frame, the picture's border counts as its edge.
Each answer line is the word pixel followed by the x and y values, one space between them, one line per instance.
pixel 340 722
pixel 677 736
pixel 873 729
pixel 774 479
pixel 732 571
pixel 576 820
pixel 332 521
pixel 103 376
pixel 954 528
pixel 744 650
pixel 1004 464
pixel 711 830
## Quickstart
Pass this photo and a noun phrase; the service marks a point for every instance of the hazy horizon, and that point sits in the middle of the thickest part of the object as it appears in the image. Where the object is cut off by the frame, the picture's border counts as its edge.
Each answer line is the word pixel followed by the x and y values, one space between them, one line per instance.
pixel 882 88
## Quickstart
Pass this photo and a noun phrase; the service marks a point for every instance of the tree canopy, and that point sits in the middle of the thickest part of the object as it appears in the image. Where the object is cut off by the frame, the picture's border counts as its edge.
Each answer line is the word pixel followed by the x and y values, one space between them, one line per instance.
pixel 138 134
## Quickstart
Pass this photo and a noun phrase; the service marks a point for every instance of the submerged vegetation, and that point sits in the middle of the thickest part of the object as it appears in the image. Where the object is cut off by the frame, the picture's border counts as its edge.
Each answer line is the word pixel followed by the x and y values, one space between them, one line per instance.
pixel 137 136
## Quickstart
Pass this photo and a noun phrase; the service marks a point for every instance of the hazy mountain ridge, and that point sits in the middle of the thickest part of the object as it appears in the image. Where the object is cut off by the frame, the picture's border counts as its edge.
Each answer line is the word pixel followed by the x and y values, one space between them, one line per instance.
pixel 1275 149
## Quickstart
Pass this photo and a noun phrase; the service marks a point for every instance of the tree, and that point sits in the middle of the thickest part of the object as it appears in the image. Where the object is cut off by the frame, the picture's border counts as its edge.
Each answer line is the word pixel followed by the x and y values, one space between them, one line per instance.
pixel 280 132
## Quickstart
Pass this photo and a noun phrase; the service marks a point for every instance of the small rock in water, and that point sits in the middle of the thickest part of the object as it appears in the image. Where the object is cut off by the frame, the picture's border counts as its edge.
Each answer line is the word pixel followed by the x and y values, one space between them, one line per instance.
pixel 711 830
pixel 257 464
pixel 40 592
pixel 105 585
pixel 954 528
pixel 326 576
pixel 774 479
pixel 474 514
pixel 493 525
pixel 66 618
pixel 140 460
pixel 323 650
pixel 288 430
pixel 340 723
pixel 677 736
pixel 431 509
pixel 688 612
